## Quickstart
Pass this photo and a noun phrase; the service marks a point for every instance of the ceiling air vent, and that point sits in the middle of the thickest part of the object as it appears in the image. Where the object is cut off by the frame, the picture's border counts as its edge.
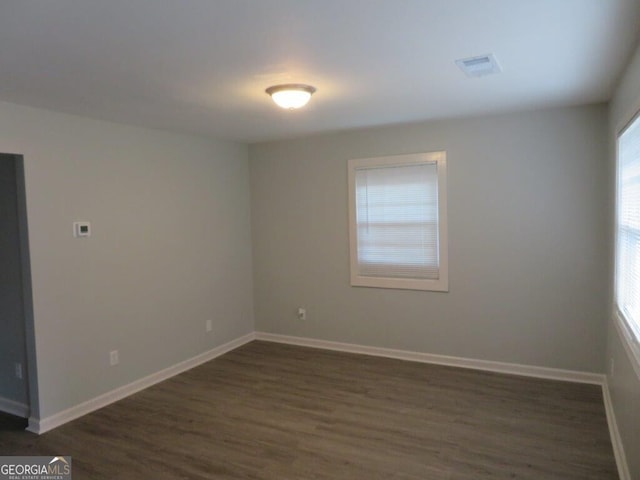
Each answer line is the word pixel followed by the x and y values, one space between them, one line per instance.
pixel 479 66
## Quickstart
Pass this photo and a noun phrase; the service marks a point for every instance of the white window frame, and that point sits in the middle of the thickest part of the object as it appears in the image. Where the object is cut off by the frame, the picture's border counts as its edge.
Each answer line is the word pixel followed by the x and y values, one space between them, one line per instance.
pixel 630 333
pixel 442 283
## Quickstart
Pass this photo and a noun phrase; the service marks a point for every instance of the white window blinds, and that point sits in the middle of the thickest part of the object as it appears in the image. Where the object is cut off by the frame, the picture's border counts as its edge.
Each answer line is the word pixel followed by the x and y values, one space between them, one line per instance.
pixel 397 221
pixel 628 227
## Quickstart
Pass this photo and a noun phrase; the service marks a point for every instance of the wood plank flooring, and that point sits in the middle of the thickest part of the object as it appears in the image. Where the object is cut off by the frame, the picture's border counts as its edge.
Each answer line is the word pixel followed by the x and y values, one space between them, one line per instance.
pixel 268 411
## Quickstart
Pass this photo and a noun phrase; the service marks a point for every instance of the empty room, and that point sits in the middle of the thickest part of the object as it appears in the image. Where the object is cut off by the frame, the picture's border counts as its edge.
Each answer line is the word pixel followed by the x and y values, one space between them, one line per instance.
pixel 320 239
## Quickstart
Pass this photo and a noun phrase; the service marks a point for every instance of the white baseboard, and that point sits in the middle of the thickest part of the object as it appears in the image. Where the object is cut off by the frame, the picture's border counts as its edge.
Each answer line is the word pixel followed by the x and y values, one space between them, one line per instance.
pixel 43 425
pixel 486 365
pixel 616 440
pixel 14 408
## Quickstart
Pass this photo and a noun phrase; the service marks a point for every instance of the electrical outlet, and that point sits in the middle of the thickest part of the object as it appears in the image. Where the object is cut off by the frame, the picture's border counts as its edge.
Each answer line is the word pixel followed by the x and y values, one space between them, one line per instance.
pixel 209 326
pixel 612 367
pixel 18 367
pixel 302 313
pixel 114 358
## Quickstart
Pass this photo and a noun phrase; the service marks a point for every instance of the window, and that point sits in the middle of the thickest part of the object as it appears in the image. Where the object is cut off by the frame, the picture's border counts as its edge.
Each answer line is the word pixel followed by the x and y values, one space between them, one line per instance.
pixel 398 223
pixel 628 228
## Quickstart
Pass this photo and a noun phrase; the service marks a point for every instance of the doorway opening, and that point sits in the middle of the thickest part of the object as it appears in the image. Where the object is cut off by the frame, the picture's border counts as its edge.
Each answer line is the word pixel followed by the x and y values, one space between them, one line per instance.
pixel 17 345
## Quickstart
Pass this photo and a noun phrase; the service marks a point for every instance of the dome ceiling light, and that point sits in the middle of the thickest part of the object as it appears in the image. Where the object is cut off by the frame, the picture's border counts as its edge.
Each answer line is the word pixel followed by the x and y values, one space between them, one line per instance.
pixel 292 95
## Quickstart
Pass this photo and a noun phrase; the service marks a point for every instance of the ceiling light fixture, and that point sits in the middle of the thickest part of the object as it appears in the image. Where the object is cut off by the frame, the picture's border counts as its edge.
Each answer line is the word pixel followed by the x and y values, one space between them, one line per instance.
pixel 291 95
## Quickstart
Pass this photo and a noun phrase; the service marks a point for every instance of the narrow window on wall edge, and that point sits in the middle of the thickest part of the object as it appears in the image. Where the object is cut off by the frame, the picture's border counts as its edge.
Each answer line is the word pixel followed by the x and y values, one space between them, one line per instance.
pixel 627 246
pixel 398 221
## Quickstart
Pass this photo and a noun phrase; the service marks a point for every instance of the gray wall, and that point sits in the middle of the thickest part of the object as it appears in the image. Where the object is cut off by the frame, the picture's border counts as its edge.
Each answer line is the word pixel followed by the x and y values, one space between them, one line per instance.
pixel 527 225
pixel 170 248
pixel 624 383
pixel 12 325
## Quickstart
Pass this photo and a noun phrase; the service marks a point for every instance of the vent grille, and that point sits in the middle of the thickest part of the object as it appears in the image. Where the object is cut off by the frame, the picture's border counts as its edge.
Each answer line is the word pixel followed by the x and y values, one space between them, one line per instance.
pixel 479 66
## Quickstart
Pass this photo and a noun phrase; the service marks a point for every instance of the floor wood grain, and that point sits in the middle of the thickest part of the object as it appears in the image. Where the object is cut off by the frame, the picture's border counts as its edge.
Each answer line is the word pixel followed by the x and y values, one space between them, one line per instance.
pixel 269 411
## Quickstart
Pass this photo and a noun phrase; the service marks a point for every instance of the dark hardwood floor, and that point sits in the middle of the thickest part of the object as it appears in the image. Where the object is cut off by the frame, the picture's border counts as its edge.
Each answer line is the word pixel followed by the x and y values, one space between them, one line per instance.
pixel 279 412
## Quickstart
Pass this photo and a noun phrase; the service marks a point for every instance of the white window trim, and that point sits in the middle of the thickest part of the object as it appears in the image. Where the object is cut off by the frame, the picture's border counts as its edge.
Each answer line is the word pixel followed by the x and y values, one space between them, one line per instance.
pixel 629 341
pixel 442 283
pixel 630 336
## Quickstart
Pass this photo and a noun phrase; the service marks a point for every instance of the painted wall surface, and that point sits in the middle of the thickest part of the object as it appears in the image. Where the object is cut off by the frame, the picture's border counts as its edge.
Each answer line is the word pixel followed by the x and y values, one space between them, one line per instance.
pixel 527 225
pixel 12 326
pixel 624 383
pixel 170 248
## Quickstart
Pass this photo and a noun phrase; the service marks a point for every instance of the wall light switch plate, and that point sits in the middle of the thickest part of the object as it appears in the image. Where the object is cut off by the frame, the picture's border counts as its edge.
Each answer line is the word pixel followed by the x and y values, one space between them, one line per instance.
pixel 81 229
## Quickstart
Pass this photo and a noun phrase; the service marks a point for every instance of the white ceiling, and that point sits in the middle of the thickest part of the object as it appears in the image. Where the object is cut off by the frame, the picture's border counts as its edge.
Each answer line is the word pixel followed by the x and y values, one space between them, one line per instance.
pixel 201 66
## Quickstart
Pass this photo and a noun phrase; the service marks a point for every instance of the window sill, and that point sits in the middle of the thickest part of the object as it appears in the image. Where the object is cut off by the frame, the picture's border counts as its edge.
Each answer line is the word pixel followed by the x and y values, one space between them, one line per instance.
pixel 441 285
